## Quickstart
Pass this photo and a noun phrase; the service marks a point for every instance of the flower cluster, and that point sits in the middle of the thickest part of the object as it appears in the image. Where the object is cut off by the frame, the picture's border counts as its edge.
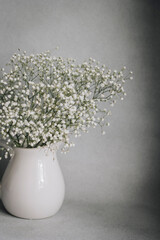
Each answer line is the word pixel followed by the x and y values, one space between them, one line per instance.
pixel 45 99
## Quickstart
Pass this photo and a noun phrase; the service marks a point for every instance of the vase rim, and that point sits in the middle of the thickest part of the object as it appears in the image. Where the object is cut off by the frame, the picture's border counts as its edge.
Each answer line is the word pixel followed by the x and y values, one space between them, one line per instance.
pixel 39 147
pixel 45 148
pixel 25 148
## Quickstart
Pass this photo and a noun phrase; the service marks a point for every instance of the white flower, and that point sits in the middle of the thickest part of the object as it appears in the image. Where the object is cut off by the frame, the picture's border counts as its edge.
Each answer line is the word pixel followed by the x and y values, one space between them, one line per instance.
pixel 45 99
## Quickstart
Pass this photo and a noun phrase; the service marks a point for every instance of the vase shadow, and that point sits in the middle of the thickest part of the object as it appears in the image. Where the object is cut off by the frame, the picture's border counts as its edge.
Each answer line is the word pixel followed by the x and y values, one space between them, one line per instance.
pixel 3 166
pixel 3 211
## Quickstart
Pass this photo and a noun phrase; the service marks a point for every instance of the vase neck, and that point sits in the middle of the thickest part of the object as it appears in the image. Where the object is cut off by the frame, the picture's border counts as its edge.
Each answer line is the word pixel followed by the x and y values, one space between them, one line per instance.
pixel 34 154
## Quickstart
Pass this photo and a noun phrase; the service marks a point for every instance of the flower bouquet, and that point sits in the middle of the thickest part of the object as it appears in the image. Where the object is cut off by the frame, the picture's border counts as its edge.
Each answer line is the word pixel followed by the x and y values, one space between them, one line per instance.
pixel 43 101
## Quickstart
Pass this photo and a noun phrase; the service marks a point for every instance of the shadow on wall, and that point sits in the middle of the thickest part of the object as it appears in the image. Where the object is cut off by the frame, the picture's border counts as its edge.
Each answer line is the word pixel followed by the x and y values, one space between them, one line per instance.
pixel 152 182
pixel 3 165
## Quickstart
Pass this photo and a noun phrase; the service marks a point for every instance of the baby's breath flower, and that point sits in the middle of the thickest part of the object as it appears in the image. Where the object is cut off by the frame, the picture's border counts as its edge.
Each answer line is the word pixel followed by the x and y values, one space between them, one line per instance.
pixel 45 99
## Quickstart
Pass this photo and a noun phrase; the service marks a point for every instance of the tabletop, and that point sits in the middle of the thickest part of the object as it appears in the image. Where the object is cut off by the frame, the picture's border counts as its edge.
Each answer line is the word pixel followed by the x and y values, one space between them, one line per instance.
pixel 81 220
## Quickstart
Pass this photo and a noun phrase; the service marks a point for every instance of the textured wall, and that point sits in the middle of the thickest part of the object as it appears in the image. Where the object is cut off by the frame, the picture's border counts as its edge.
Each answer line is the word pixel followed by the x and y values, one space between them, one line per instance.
pixel 124 164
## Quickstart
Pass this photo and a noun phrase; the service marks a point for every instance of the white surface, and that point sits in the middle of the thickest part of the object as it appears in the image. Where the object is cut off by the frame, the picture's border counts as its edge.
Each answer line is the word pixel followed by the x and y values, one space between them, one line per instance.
pixel 80 220
pixel 33 185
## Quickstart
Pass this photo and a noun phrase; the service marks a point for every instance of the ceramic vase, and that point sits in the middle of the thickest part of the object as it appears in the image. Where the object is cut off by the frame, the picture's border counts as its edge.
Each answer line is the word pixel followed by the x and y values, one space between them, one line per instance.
pixel 33 185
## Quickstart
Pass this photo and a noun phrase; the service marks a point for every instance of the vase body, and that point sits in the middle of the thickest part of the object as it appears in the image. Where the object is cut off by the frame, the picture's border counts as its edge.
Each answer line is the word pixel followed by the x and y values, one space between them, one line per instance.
pixel 33 185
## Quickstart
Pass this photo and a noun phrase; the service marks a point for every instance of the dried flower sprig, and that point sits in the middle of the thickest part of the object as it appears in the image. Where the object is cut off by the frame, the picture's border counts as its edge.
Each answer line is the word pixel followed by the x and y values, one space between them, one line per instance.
pixel 44 99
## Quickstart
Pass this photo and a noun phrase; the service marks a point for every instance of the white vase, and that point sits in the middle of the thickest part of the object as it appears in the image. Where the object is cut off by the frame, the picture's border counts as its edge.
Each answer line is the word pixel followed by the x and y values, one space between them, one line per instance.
pixel 33 185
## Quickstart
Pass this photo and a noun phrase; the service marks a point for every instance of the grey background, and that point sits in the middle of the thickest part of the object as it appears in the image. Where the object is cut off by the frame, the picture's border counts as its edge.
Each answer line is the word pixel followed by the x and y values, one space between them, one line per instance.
pixel 112 181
